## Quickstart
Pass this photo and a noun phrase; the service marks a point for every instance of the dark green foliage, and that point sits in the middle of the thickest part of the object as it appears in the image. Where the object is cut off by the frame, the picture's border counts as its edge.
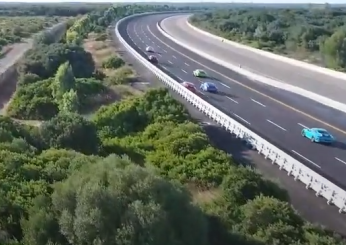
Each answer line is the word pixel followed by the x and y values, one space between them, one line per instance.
pixel 44 60
pixel 70 131
pixel 113 62
pixel 316 32
pixel 61 184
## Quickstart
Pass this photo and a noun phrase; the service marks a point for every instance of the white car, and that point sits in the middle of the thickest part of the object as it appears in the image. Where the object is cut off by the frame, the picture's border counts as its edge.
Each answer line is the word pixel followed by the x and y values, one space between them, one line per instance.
pixel 149 49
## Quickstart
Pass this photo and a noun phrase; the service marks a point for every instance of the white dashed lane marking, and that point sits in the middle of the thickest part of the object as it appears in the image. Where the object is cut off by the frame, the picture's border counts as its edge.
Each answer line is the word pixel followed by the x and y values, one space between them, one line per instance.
pixel 306 159
pixel 258 103
pixel 241 118
pixel 276 125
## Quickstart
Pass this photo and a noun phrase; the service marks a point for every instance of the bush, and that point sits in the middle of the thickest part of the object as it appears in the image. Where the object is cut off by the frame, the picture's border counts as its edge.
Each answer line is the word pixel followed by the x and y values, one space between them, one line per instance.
pixel 113 62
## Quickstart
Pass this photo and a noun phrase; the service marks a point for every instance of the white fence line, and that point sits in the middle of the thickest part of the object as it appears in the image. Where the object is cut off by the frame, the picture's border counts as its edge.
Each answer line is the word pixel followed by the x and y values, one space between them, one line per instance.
pixel 301 64
pixel 322 187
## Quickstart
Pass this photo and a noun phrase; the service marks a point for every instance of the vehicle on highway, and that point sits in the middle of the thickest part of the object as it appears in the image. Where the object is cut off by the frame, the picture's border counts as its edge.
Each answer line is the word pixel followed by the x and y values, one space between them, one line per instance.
pixel 209 87
pixel 318 135
pixel 149 49
pixel 189 86
pixel 199 73
pixel 153 59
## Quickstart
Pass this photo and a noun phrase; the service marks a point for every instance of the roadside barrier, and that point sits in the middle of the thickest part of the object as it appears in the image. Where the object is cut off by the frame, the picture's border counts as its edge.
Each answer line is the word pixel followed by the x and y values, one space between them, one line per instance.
pixel 322 187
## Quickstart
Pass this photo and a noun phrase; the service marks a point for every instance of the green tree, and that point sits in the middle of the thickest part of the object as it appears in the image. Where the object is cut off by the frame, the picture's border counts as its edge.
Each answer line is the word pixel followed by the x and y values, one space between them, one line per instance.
pixel 64 81
pixel 335 49
pixel 270 221
pixel 70 131
pixel 69 102
pixel 117 202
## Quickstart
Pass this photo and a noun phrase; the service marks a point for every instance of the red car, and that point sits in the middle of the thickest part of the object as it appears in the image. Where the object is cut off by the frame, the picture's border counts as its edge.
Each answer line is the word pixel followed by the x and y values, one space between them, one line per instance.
pixel 189 86
pixel 153 59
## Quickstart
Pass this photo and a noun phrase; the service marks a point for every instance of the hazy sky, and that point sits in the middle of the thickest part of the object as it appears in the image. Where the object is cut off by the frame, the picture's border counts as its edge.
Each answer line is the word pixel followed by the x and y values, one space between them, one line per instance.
pixel 195 1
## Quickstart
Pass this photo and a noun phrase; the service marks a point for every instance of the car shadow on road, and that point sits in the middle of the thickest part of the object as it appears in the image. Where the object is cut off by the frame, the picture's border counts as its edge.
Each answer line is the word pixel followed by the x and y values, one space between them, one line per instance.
pixel 230 95
pixel 337 144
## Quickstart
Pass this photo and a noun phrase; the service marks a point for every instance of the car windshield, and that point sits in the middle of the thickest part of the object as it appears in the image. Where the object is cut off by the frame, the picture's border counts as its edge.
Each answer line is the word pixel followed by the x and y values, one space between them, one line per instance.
pixel 321 131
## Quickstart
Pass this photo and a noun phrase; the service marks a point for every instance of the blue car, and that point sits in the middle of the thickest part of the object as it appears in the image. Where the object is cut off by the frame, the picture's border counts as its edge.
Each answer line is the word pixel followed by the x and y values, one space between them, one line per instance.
pixel 208 87
pixel 318 135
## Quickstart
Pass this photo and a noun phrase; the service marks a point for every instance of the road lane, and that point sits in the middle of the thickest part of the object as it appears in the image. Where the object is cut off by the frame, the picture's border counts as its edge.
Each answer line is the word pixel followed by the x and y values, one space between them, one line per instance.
pixel 316 82
pixel 264 116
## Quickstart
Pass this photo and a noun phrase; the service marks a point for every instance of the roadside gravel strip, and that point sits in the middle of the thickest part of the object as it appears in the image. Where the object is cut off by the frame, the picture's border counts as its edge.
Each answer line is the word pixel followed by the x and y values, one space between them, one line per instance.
pixel 314 209
pixel 285 73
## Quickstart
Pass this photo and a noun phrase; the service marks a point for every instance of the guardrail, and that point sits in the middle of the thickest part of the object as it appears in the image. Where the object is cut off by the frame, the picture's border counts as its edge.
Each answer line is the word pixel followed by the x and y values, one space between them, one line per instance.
pixel 334 194
pixel 301 64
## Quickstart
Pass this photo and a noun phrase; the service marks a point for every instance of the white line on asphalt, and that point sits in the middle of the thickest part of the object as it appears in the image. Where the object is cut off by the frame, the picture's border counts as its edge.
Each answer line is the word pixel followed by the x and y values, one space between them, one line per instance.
pixel 340 160
pixel 302 125
pixel 306 159
pixel 276 125
pixel 142 41
pixel 179 78
pixel 202 92
pixel 258 102
pixel 170 62
pixel 164 67
pixel 225 85
pixel 165 50
pixel 159 55
pixel 241 118
pixel 232 100
pixel 174 57
pixel 184 71
pixel 153 42
pixel 187 64
pixel 158 46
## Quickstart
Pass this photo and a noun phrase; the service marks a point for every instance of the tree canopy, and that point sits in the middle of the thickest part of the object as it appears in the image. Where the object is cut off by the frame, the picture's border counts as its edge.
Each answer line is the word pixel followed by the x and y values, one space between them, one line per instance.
pixel 132 172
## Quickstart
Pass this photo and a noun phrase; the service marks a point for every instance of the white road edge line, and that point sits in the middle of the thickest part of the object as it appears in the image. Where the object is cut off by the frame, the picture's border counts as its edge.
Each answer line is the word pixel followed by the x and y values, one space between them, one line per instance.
pixel 302 125
pixel 258 102
pixel 306 159
pixel 232 100
pixel 241 118
pixel 170 62
pixel 340 160
pixel 184 71
pixel 187 64
pixel 225 85
pixel 276 125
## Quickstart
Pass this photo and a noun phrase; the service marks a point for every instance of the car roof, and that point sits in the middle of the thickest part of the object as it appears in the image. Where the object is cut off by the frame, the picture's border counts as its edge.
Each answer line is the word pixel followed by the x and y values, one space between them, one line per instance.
pixel 188 83
pixel 319 129
pixel 210 83
pixel 200 70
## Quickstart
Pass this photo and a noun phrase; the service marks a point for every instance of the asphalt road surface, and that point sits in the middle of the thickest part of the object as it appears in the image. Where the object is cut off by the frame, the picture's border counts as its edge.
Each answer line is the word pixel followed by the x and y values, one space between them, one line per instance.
pixel 315 82
pixel 311 208
pixel 276 115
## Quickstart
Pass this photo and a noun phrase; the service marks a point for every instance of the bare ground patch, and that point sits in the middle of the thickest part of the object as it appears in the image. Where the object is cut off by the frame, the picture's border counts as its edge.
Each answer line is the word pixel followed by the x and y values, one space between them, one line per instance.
pixel 101 50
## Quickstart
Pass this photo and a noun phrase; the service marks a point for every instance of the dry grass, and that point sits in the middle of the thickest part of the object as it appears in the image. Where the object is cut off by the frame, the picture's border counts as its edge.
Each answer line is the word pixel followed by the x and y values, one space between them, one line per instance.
pixel 202 196
pixel 101 51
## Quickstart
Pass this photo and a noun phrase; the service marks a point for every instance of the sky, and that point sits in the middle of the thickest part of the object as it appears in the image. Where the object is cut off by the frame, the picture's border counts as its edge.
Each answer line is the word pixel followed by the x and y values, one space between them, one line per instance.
pixel 180 1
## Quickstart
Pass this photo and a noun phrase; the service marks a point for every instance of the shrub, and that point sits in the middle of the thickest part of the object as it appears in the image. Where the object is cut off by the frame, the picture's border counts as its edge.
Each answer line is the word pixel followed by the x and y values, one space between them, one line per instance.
pixel 113 62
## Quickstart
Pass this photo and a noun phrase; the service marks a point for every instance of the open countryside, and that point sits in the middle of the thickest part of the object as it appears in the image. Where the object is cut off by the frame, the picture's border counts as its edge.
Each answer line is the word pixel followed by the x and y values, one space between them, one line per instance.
pixel 87 158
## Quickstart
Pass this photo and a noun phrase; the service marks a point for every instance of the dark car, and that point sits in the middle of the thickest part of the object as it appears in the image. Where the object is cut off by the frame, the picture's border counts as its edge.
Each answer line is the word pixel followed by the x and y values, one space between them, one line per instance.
pixel 153 59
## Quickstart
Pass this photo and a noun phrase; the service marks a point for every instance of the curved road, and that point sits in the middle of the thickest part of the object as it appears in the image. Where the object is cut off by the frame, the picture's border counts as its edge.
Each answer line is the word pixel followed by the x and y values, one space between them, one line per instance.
pixel 312 81
pixel 276 115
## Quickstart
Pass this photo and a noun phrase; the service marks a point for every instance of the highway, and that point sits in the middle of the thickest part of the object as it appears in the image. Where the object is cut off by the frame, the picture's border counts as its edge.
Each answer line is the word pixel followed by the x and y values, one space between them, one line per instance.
pixel 312 81
pixel 277 116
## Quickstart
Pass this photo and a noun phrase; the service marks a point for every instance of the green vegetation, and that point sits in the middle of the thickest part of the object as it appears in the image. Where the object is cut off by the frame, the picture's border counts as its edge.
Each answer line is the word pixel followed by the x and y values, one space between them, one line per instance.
pixel 313 34
pixel 16 29
pixel 138 171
